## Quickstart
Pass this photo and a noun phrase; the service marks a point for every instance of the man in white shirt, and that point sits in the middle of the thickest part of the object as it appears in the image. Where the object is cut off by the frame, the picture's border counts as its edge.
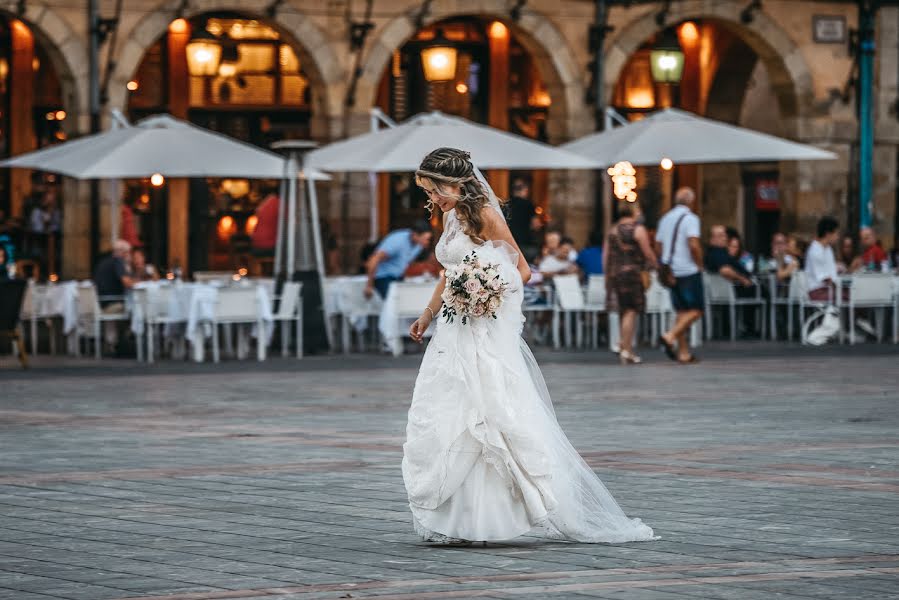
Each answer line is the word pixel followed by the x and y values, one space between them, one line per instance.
pixel 678 245
pixel 820 263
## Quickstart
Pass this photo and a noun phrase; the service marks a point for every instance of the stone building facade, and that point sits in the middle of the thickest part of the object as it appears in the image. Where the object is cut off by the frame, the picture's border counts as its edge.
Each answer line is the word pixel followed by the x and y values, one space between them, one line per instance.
pixel 791 87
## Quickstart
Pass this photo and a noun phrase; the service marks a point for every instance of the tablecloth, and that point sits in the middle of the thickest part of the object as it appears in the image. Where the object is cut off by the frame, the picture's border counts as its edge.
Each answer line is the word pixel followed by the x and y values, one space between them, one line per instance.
pixel 57 299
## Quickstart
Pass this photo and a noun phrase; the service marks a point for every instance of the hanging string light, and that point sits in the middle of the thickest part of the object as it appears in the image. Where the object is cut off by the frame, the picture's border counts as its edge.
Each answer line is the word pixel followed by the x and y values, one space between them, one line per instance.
pixel 624 181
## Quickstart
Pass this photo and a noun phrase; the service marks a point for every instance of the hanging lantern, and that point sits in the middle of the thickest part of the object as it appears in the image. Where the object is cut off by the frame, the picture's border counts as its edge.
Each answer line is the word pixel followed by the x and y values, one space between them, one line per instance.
pixel 667 59
pixel 438 59
pixel 204 53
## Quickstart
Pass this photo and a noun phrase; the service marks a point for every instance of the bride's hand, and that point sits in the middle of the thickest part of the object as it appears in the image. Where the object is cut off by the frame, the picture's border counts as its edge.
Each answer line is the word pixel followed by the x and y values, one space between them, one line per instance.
pixel 417 331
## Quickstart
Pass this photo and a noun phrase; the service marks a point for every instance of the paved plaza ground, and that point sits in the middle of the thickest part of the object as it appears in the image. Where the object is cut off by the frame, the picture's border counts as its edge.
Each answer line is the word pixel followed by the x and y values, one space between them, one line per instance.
pixel 768 471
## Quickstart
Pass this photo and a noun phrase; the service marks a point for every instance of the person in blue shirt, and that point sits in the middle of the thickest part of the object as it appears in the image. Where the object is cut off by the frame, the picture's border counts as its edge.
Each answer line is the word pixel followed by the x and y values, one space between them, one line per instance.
pixel 393 255
pixel 590 258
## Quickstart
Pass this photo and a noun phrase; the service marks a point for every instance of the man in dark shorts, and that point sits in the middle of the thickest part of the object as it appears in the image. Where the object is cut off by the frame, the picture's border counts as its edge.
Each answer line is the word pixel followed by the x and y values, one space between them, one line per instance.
pixel 678 245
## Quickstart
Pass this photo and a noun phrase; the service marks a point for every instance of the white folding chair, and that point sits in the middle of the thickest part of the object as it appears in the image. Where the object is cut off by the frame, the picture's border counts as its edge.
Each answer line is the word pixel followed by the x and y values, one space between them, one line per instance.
pixel 354 311
pixel 595 304
pixel 795 293
pixel 238 306
pixel 872 291
pixel 569 303
pixel 290 308
pixel 409 300
pixel 721 292
pixel 91 318
pixel 155 303
pixel 536 300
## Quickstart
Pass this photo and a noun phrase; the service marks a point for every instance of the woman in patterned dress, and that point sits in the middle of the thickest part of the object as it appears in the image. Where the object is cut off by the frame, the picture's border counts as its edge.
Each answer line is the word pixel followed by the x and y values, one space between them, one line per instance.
pixel 627 255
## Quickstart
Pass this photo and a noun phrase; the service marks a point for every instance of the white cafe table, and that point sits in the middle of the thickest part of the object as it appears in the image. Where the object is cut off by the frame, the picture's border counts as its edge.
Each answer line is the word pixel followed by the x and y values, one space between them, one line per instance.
pixel 191 309
pixel 58 299
pixel 51 300
pixel 345 296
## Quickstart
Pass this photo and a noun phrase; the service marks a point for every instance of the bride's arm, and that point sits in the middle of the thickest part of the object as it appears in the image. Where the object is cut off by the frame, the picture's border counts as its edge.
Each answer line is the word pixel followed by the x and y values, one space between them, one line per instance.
pixel 496 228
pixel 417 331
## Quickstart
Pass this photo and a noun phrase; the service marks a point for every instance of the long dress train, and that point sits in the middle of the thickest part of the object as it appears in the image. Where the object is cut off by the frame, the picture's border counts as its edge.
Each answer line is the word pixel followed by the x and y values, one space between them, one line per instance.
pixel 485 458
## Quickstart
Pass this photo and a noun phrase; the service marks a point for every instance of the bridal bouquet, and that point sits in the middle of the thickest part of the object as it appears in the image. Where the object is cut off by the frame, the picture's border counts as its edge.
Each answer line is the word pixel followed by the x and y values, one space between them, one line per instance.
pixel 473 289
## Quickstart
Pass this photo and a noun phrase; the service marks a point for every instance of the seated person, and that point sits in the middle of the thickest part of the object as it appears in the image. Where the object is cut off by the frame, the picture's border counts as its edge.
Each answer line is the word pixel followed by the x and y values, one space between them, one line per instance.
pixel 113 275
pixel 140 270
pixel 848 260
pixel 718 260
pixel 558 261
pixel 873 256
pixel 590 258
pixel 113 278
pixel 785 264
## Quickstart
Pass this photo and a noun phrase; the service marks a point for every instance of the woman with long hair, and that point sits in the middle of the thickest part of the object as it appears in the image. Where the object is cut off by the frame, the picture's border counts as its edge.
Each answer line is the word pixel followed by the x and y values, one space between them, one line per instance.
pixel 485 458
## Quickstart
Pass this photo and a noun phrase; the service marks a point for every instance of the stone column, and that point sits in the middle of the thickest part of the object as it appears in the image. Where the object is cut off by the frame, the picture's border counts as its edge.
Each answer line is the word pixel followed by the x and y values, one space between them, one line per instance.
pixel 498 112
pixel 21 103
pixel 886 127
pixel 178 189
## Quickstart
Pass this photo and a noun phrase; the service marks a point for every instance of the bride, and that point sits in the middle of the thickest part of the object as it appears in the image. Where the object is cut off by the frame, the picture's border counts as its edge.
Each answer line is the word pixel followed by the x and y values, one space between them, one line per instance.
pixel 485 458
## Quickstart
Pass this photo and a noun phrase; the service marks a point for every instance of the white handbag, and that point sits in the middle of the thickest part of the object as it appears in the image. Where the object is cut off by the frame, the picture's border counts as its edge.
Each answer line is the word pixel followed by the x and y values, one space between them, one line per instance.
pixel 827 330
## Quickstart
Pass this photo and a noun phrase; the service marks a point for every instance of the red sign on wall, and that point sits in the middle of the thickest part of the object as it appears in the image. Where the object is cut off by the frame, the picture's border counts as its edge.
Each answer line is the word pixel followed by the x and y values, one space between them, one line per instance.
pixel 767 195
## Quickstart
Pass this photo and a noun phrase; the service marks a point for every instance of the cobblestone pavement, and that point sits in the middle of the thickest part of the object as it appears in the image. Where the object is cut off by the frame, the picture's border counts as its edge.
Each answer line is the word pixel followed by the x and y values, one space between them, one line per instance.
pixel 768 473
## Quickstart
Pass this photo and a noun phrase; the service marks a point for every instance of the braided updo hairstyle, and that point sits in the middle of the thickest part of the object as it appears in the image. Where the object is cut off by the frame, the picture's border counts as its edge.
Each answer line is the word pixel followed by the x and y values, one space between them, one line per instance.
pixel 451 166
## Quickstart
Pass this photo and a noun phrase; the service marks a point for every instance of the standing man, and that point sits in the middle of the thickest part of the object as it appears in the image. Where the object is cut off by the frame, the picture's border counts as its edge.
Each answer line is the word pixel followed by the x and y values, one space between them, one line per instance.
pixel 520 211
pixel 393 255
pixel 678 245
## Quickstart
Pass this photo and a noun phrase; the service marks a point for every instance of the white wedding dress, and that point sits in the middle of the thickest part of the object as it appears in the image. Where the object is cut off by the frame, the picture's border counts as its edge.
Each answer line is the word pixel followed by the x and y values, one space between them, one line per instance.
pixel 485 458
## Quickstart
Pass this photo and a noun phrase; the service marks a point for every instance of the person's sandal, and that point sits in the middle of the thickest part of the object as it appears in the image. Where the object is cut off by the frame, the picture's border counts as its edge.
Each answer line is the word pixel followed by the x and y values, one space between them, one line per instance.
pixel 667 348
pixel 629 358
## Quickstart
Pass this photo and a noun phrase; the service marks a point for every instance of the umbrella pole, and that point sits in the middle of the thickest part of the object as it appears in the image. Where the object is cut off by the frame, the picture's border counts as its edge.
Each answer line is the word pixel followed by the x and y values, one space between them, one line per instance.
pixel 279 243
pixel 305 260
pixel 290 266
pixel 319 253
pixel 114 187
pixel 373 220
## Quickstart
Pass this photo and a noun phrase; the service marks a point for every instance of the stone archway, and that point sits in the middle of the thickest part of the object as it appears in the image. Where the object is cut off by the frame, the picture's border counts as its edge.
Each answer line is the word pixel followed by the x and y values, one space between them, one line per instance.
pixel 66 51
pixel 790 76
pixel 325 70
pixel 568 116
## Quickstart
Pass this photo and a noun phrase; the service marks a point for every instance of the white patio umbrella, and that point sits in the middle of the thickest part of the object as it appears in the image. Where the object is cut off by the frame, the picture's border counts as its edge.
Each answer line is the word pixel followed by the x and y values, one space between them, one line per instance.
pixel 686 138
pixel 173 148
pixel 158 144
pixel 401 148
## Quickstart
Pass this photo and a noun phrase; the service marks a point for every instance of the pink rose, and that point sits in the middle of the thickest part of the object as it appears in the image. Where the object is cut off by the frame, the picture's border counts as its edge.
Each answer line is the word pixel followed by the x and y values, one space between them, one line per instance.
pixel 472 286
pixel 493 303
pixel 478 310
